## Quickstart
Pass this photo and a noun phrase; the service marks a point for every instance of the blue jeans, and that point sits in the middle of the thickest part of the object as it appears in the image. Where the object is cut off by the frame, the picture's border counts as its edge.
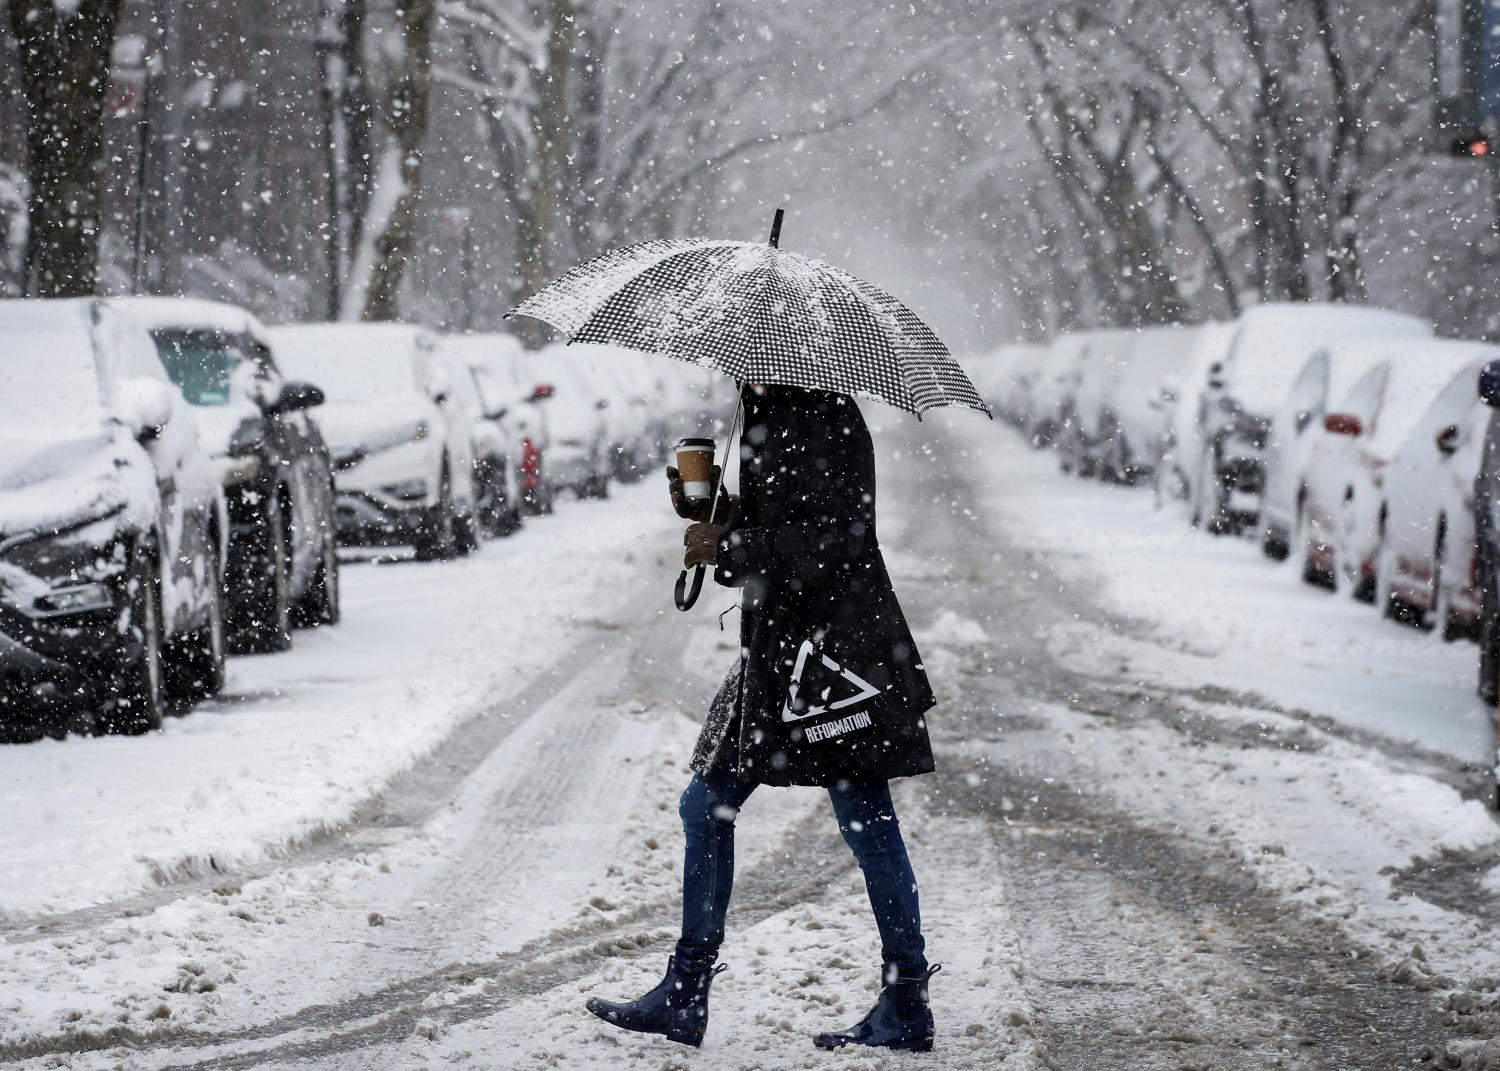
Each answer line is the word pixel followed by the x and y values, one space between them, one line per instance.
pixel 866 818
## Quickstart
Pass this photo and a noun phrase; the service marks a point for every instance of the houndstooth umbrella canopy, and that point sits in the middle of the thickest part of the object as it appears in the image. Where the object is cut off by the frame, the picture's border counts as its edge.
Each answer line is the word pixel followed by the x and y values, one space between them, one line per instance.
pixel 759 314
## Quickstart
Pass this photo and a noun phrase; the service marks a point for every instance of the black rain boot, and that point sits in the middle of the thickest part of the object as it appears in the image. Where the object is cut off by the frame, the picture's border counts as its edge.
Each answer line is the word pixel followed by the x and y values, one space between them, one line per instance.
pixel 900 1019
pixel 677 1008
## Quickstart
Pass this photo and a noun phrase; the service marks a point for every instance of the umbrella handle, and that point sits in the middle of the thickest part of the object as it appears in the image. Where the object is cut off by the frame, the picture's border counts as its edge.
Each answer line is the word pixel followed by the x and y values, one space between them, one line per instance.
pixel 684 597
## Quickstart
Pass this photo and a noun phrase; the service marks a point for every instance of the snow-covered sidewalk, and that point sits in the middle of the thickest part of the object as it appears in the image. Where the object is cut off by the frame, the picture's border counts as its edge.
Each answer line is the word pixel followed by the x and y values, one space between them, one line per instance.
pixel 300 740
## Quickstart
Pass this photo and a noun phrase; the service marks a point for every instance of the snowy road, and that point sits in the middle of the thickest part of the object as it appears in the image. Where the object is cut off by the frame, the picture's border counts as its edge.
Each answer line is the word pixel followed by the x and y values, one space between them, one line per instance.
pixel 1167 831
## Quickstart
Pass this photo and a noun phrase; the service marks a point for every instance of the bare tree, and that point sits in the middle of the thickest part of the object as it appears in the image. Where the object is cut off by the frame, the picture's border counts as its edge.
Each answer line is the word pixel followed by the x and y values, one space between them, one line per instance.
pixel 399 58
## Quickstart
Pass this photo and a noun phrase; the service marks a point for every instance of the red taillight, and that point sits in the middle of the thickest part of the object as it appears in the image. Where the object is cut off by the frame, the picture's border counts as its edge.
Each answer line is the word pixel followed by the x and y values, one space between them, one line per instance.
pixel 531 465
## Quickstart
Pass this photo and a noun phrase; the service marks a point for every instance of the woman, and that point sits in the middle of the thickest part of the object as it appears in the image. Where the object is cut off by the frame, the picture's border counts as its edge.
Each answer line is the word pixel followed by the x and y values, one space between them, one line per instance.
pixel 829 691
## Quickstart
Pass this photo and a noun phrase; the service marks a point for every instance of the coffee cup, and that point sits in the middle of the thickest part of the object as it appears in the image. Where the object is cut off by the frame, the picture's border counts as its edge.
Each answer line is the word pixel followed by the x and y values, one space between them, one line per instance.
pixel 695 464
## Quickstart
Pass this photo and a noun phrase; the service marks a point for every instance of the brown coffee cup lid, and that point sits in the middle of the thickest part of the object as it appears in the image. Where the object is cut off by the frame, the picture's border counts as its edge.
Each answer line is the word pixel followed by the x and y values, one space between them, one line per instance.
pixel 695 444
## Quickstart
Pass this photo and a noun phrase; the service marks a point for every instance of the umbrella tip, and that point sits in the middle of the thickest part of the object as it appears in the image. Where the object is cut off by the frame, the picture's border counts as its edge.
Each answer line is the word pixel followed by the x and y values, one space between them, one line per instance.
pixel 776 228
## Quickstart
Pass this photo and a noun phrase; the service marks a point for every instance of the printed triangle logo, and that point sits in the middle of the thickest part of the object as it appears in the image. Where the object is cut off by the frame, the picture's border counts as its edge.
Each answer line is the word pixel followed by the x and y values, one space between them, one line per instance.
pixel 863 689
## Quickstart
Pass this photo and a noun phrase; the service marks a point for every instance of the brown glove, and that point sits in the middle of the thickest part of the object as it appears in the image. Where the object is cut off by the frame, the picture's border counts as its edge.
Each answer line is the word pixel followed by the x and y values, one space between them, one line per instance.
pixel 697 509
pixel 702 542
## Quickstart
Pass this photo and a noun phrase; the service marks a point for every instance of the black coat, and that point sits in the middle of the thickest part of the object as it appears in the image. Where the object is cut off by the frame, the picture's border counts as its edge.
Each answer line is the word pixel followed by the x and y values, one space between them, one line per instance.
pixel 830 685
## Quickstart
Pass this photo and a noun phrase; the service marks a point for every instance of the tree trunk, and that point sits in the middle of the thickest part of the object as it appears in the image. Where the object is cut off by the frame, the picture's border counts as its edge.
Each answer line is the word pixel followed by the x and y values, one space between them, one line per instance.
pixel 550 127
pixel 64 74
pixel 356 119
pixel 406 116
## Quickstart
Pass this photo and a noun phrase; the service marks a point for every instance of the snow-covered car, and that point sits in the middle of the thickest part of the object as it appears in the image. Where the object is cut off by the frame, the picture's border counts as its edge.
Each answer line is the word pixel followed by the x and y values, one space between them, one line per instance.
pixel 1271 344
pixel 1429 562
pixel 112 527
pixel 403 453
pixel 1179 406
pixel 1295 427
pixel 1343 501
pixel 503 435
pixel 503 373
pixel 1052 391
pixel 1085 424
pixel 282 568
pixel 623 395
pixel 1121 426
pixel 1005 379
pixel 579 455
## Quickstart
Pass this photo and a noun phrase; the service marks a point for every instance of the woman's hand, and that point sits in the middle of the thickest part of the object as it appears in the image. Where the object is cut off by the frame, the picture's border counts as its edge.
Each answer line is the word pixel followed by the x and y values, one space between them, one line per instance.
pixel 702 542
pixel 696 509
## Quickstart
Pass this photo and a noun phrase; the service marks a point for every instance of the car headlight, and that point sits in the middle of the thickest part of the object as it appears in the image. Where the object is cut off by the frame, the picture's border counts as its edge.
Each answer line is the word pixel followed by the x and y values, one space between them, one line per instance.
pixel 76 599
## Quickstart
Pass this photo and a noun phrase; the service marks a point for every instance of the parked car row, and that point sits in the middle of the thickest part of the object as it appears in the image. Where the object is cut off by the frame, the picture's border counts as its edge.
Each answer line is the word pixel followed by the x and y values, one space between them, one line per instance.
pixel 1346 438
pixel 176 480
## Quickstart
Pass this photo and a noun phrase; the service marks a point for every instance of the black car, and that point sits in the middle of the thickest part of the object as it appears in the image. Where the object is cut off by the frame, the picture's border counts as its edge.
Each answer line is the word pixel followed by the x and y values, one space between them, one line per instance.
pixel 111 528
pixel 1487 534
pixel 282 570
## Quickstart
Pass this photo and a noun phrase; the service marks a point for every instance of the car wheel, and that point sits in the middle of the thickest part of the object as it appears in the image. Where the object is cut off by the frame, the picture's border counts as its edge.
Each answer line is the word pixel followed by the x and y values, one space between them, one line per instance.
pixel 320 604
pixel 195 664
pixel 265 621
pixel 139 694
pixel 466 535
pixel 1311 573
pixel 1443 620
pixel 1273 546
pixel 439 537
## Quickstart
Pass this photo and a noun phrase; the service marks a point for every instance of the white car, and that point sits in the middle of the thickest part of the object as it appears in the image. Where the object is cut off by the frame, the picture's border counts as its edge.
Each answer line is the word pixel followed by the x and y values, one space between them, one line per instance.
pixel 613 376
pixel 511 431
pixel 579 454
pixel 1005 377
pixel 112 527
pixel 1084 424
pixel 506 382
pixel 402 444
pixel 1343 498
pixel 1429 559
pixel 1180 432
pixel 1122 428
pixel 1271 345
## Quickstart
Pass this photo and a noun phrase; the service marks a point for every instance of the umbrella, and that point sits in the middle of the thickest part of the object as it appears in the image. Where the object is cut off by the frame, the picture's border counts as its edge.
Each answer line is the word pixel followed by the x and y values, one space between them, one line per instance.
pixel 760 314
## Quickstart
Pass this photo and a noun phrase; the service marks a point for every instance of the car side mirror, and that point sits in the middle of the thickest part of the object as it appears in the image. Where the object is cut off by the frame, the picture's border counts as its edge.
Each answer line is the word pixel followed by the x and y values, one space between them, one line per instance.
pixel 1489 384
pixel 297 396
pixel 1447 440
pixel 602 403
pixel 440 396
pixel 497 414
pixel 144 405
pixel 542 391
pixel 1342 424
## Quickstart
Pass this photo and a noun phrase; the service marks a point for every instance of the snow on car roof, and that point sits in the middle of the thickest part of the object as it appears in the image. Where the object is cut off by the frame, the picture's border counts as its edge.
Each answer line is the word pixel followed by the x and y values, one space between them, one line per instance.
pixel 353 362
pixel 49 381
pixel 1419 370
pixel 1274 342
pixel 190 314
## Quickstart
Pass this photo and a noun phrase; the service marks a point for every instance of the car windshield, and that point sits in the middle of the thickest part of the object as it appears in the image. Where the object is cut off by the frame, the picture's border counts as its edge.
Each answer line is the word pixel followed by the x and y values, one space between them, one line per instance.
pixel 49 386
pixel 201 363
